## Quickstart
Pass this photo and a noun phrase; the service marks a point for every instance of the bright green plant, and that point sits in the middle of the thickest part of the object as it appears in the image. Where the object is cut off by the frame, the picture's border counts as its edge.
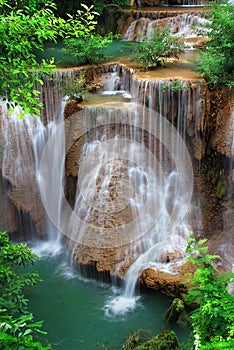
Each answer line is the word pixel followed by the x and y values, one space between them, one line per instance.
pixel 88 48
pixel 23 31
pixel 175 86
pixel 213 319
pixel 154 50
pixel 215 62
pixel 75 89
pixel 17 329
pixel 19 333
pixel 82 42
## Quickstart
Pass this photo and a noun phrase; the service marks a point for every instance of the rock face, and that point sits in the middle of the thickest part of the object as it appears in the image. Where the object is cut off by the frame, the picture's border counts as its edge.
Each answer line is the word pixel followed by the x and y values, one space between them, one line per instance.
pixel 71 107
pixel 8 212
pixel 171 285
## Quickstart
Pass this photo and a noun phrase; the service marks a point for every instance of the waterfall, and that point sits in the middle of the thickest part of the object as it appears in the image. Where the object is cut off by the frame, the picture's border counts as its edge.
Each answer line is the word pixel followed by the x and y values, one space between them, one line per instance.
pixel 142 3
pixel 175 106
pixel 184 25
pixel 23 143
pixel 50 172
pixel 135 177
pixel 129 191
pixel 18 161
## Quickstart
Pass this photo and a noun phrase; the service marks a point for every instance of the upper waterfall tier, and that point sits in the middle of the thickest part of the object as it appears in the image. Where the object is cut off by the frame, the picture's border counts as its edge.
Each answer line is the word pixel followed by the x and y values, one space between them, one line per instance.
pixel 184 22
pixel 144 3
pixel 159 12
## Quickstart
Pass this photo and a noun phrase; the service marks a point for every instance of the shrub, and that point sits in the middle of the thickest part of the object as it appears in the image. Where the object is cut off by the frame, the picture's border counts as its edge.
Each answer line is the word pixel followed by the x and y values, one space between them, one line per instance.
pixel 213 318
pixel 17 329
pixel 82 42
pixel 88 48
pixel 215 62
pixel 154 50
pixel 75 89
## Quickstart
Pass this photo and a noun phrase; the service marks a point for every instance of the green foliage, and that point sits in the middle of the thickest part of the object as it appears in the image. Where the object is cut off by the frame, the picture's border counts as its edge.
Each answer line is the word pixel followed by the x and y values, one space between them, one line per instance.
pixel 87 49
pixel 175 86
pixel 18 333
pixel 178 304
pixel 141 339
pixel 17 329
pixel 215 62
pixel 221 189
pixel 82 42
pixel 213 319
pixel 135 338
pixel 174 311
pixel 75 89
pixel 165 340
pixel 21 33
pixel 12 281
pixel 218 344
pixel 24 27
pixel 154 50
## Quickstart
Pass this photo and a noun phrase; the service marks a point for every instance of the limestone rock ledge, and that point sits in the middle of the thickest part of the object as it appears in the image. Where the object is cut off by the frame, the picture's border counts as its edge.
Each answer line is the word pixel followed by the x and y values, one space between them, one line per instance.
pixel 171 285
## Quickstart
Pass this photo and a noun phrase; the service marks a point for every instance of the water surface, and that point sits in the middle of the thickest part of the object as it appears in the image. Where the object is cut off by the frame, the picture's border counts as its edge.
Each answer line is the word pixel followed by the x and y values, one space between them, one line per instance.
pixel 77 310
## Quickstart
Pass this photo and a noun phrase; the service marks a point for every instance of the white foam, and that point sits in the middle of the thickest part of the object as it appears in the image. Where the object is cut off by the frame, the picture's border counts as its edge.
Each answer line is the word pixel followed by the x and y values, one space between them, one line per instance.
pixel 113 92
pixel 47 248
pixel 120 305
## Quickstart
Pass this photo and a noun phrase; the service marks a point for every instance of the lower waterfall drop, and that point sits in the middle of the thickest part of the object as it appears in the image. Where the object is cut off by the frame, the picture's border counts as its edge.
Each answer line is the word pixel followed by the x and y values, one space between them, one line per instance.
pixel 133 191
pixel 21 157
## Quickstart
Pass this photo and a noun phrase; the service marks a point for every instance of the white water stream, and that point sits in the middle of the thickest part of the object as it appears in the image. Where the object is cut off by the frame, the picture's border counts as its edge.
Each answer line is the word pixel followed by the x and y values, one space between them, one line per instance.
pixel 184 25
pixel 23 143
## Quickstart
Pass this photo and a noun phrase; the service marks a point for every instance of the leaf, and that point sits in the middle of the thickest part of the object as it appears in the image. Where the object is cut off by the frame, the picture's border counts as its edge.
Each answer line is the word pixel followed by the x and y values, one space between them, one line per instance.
pixel 201 242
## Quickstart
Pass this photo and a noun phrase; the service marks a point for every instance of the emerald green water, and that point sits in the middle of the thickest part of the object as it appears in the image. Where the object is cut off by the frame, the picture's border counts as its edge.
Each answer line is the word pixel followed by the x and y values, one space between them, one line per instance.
pixel 51 50
pixel 75 309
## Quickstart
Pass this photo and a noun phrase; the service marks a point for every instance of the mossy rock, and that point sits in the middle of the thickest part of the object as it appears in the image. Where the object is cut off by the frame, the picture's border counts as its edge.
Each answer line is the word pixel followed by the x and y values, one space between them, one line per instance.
pixel 174 310
pixel 165 340
pixel 221 190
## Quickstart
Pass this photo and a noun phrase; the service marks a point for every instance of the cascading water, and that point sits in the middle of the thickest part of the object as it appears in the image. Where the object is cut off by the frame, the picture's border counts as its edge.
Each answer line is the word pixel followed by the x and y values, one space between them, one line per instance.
pixel 22 154
pixel 48 180
pixel 142 3
pixel 130 174
pixel 134 181
pixel 175 241
pixel 184 25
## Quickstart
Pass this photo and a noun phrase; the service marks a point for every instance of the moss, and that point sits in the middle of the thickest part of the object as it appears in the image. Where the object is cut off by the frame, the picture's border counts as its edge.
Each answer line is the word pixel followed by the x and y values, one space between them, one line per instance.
pixel 165 340
pixel 221 189
pixel 174 310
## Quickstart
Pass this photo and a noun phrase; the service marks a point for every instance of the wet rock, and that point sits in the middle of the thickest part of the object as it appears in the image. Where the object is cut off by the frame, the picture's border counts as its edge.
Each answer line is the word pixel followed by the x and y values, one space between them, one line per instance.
pixel 8 213
pixel 170 284
pixel 71 107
